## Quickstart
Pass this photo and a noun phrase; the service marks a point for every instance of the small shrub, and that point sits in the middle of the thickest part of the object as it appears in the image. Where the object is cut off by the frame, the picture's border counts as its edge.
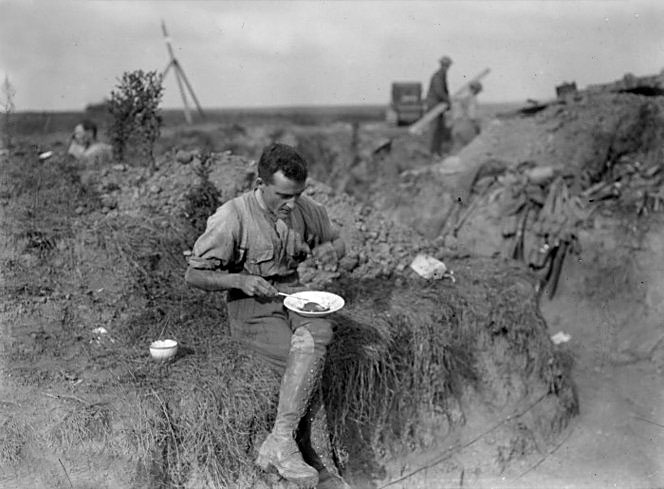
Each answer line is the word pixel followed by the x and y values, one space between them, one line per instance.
pixel 203 199
pixel 136 117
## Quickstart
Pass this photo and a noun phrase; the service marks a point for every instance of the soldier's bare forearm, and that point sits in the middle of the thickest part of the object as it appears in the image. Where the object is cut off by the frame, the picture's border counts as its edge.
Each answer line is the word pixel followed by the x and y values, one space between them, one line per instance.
pixel 216 280
pixel 212 280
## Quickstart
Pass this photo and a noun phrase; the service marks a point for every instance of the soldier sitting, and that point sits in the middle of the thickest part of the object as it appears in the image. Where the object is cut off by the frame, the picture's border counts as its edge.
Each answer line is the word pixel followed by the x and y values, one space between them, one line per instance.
pixel 84 146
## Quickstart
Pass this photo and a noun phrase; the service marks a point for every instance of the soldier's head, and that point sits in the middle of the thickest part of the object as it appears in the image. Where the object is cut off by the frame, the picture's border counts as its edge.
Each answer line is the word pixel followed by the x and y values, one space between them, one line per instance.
pixel 475 87
pixel 282 176
pixel 85 133
pixel 445 62
pixel 281 157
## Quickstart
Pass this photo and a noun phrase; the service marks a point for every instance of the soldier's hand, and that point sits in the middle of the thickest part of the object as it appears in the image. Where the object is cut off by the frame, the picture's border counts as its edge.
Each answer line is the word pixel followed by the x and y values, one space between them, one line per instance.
pixel 256 286
pixel 325 256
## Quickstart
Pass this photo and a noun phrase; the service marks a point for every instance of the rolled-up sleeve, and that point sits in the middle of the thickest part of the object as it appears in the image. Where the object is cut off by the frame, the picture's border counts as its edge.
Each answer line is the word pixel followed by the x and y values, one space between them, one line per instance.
pixel 215 249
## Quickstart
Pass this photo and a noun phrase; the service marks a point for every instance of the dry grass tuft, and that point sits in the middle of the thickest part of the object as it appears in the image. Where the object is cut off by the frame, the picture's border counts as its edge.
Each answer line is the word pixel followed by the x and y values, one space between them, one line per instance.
pixel 201 418
pixel 12 441
pixel 407 349
pixel 82 425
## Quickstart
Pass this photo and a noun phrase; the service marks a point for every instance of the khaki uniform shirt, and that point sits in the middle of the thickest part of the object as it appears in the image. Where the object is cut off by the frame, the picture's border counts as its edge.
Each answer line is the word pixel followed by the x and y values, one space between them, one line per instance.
pixel 94 153
pixel 243 237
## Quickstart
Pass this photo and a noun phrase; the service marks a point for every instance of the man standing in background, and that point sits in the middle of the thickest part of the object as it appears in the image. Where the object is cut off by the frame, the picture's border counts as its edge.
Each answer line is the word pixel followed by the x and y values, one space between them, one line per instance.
pixel 465 121
pixel 438 93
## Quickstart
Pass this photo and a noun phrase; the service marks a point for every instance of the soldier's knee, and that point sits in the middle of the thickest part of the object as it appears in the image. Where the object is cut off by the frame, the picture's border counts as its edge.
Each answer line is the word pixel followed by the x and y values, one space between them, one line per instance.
pixel 321 330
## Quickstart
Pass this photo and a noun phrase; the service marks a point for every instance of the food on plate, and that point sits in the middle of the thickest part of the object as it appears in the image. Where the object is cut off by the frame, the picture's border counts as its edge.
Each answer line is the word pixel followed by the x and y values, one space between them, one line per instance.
pixel 313 307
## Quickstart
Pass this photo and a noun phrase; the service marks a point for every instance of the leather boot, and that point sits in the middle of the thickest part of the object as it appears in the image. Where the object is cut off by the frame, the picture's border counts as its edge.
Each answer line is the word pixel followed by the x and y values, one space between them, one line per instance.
pixel 280 450
pixel 316 446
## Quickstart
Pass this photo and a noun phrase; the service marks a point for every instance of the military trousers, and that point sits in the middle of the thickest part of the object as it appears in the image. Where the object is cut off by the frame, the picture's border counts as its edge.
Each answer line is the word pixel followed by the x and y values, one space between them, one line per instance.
pixel 266 327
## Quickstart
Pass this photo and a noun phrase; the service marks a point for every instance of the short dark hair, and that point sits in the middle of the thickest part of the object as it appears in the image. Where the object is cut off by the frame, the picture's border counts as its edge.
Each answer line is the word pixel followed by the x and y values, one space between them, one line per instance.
pixel 277 156
pixel 88 125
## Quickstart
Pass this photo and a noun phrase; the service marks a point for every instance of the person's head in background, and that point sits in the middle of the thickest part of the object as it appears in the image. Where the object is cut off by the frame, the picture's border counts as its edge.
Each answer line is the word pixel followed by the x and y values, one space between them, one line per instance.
pixel 85 133
pixel 445 62
pixel 475 87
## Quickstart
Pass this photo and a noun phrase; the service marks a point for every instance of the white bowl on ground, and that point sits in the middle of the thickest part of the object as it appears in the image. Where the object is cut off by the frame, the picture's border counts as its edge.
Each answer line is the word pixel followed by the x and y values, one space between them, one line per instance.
pixel 163 349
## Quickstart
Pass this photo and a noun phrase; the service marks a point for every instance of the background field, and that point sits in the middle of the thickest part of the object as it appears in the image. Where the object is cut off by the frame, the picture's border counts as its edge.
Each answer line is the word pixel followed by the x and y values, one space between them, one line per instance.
pixel 35 123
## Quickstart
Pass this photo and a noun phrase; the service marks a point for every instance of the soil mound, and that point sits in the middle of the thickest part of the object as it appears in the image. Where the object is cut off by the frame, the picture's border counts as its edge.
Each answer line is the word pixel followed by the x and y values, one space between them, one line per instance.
pixel 572 188
pixel 583 203
pixel 582 137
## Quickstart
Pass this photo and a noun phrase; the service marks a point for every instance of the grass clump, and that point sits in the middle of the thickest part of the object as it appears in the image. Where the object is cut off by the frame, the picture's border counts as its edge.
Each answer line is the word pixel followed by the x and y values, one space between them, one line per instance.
pixel 82 425
pixel 12 441
pixel 214 425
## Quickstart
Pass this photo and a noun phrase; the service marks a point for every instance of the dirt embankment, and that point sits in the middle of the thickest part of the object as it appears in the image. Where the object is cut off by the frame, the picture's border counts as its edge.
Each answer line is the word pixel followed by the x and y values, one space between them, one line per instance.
pixel 576 192
pixel 93 265
pixel 600 152
pixel 606 150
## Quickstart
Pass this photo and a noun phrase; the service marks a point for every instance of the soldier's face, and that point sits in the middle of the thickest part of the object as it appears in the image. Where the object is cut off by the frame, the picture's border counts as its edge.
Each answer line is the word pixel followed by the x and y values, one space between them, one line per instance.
pixel 81 136
pixel 281 194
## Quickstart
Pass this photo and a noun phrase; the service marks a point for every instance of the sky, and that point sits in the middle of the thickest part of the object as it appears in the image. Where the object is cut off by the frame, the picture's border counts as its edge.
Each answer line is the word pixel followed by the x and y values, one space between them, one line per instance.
pixel 66 54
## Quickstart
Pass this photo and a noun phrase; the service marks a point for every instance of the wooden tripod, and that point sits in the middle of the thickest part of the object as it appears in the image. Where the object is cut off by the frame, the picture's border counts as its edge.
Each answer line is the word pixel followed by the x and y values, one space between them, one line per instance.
pixel 181 78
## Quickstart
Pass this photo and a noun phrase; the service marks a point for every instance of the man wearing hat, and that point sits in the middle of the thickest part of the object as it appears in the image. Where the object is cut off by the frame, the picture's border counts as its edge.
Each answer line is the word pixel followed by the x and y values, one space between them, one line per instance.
pixel 438 93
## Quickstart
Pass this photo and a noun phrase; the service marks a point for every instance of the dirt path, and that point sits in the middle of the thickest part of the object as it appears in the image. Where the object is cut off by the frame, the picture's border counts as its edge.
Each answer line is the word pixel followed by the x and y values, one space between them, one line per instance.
pixel 618 438
pixel 617 441
pixel 613 442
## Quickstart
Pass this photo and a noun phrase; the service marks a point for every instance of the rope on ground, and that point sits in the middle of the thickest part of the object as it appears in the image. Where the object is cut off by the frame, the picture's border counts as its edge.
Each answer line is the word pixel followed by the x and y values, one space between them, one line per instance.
pixel 66 474
pixel 551 452
pixel 648 421
pixel 448 451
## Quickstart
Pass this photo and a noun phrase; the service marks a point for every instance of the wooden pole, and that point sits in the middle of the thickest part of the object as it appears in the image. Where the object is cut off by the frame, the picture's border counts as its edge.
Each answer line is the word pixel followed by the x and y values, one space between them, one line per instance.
pixel 191 91
pixel 178 75
pixel 174 63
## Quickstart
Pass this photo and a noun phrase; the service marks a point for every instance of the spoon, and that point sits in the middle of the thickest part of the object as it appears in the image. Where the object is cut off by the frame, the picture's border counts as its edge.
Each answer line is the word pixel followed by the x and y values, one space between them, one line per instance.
pixel 308 306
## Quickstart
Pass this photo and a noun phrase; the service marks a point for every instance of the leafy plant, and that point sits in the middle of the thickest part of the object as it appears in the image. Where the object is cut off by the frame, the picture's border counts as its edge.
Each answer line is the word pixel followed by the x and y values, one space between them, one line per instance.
pixel 203 199
pixel 136 116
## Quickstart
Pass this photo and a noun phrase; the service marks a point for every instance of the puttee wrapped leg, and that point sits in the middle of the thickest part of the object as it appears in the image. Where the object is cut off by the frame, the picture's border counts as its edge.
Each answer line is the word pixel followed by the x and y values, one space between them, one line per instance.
pixel 316 446
pixel 300 379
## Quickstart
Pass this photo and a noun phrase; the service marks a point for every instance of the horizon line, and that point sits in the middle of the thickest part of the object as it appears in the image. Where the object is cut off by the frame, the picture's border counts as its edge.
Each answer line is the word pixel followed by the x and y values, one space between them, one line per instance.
pixel 258 107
